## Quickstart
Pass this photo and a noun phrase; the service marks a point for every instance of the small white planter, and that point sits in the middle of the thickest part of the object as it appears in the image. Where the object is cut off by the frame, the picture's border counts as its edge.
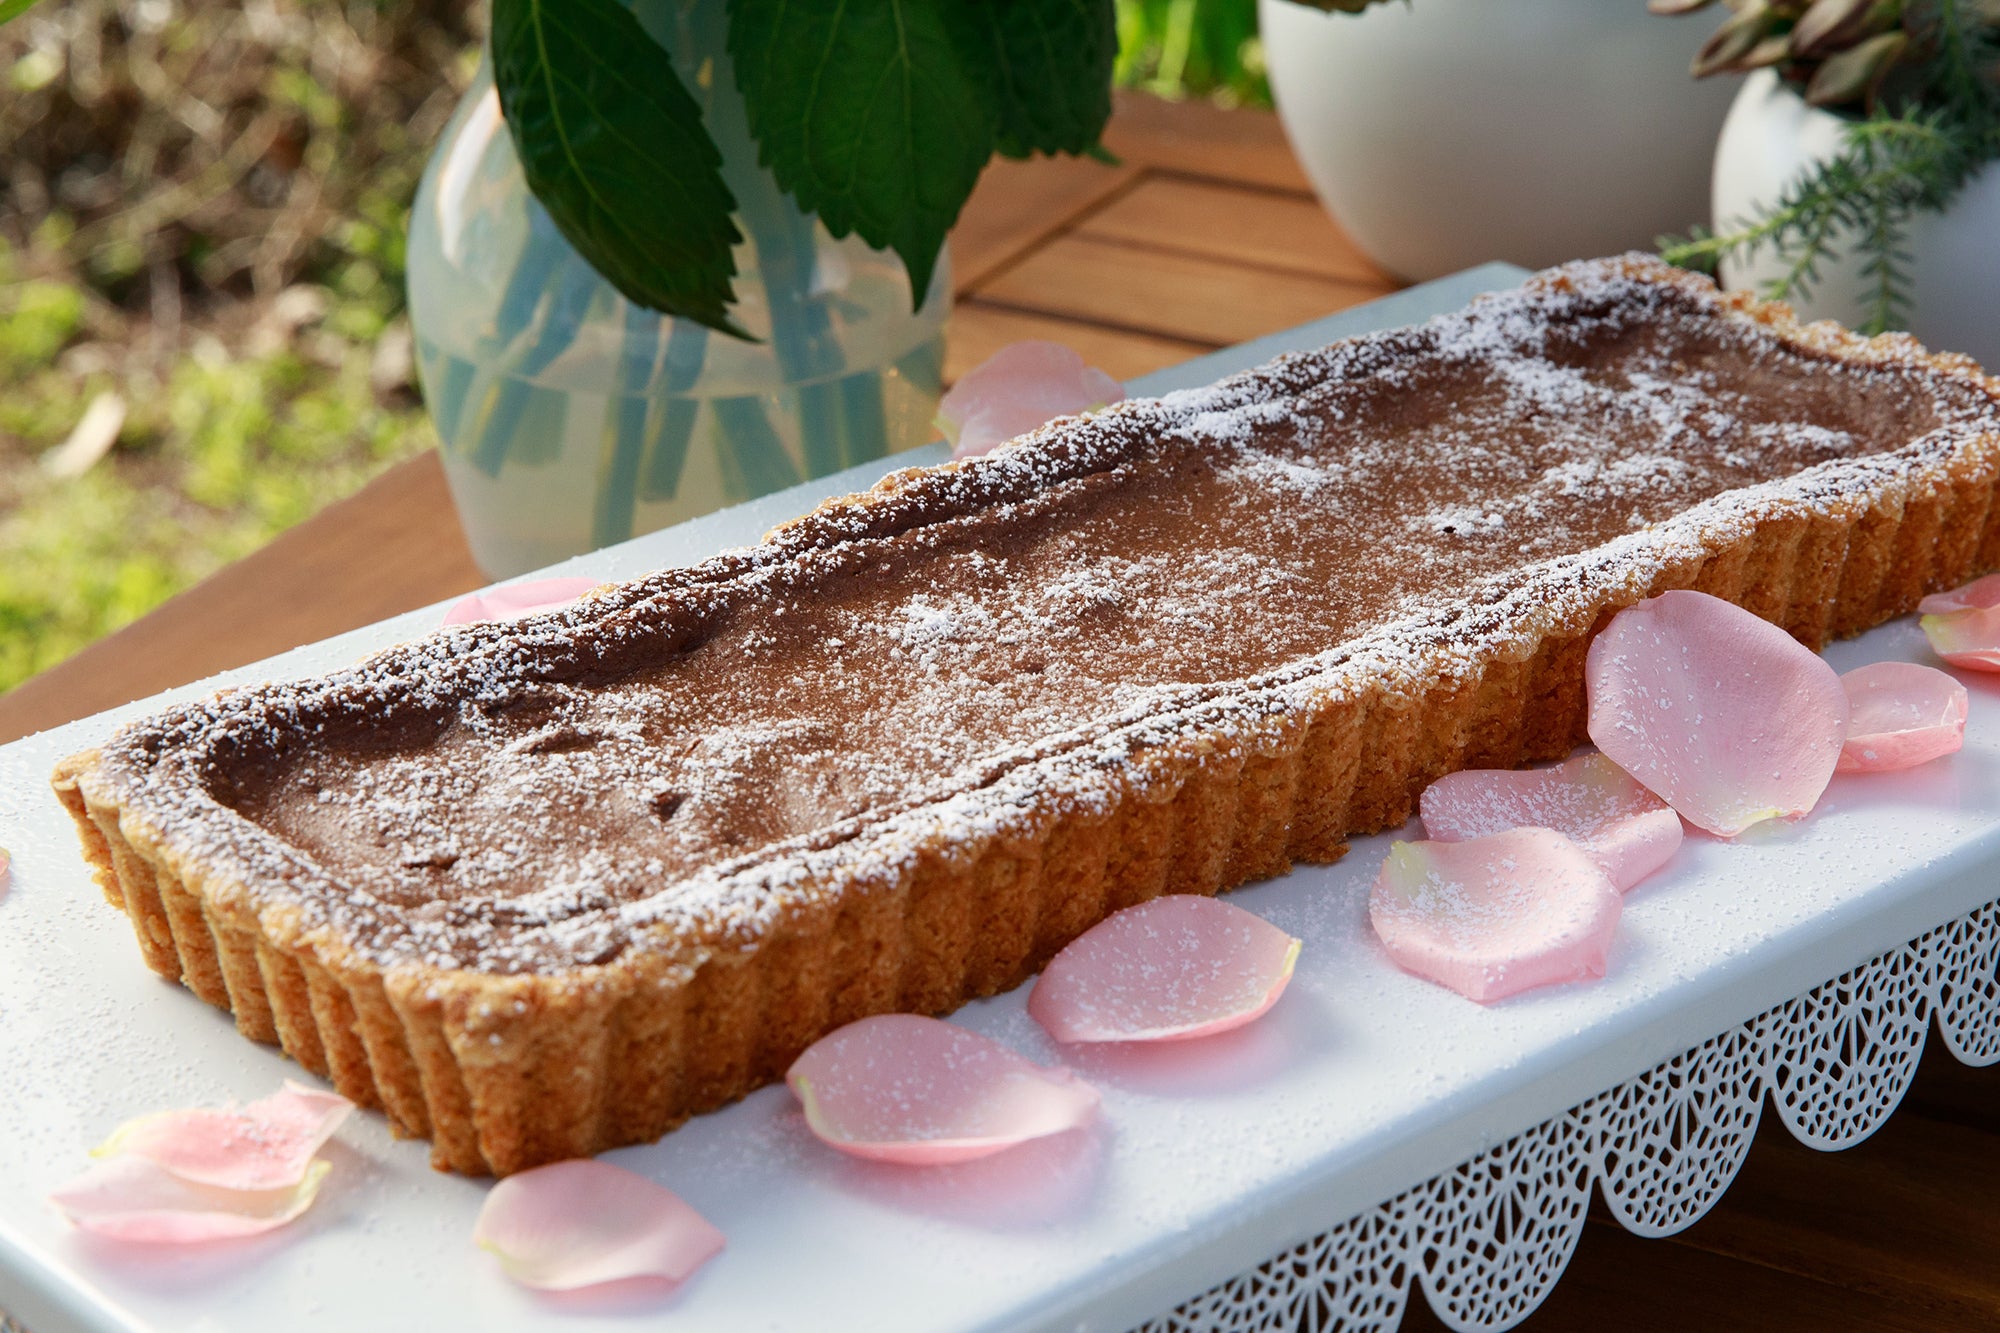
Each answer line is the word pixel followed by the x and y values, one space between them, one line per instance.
pixel 1444 133
pixel 1772 138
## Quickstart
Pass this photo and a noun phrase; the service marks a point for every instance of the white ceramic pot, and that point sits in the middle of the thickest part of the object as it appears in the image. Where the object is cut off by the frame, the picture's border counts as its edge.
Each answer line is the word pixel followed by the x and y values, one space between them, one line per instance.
pixel 1444 133
pixel 1772 138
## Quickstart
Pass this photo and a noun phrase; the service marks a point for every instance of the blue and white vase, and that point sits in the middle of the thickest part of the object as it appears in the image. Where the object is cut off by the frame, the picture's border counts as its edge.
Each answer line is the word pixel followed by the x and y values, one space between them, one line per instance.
pixel 571 419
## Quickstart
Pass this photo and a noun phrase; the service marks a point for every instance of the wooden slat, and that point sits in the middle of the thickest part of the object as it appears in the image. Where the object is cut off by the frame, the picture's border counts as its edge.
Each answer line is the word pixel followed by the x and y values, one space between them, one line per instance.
pixel 392 546
pixel 1908 1216
pixel 978 331
pixel 1167 295
pixel 1621 1283
pixel 1191 138
pixel 1019 205
pixel 1956 1094
pixel 1228 223
pixel 1897 1232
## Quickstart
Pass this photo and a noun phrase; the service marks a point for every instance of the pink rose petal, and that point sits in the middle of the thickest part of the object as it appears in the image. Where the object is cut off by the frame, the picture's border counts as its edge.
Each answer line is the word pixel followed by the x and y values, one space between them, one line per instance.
pixel 901 1088
pixel 514 600
pixel 1978 595
pixel 1166 970
pixel 1901 715
pixel 134 1198
pixel 1623 827
pixel 267 1145
pixel 1969 639
pixel 1963 625
pixel 6 865
pixel 1020 387
pixel 1726 717
pixel 581 1223
pixel 200 1175
pixel 1496 915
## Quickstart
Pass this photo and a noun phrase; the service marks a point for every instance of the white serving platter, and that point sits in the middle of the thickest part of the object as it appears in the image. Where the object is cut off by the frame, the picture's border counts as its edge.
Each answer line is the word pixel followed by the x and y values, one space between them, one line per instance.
pixel 1209 1157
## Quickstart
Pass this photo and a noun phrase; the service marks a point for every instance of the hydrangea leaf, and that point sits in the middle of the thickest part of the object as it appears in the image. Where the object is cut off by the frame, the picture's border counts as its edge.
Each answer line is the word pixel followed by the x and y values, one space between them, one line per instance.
pixel 877 117
pixel 614 148
pixel 1052 64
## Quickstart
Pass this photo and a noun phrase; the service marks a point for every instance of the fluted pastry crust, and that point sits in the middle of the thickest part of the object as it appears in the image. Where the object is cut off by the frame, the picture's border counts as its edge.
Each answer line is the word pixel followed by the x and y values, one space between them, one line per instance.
pixel 632 1017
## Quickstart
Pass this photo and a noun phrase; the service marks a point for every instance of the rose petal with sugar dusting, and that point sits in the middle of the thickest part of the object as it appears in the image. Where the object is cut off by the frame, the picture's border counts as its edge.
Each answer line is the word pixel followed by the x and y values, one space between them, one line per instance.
pixel 1900 715
pixel 6 865
pixel 133 1198
pixel 1623 827
pixel 267 1145
pixel 513 600
pixel 1978 595
pixel 580 1223
pixel 1166 970
pixel 1493 916
pixel 1969 639
pixel 922 1092
pixel 1726 717
pixel 1021 386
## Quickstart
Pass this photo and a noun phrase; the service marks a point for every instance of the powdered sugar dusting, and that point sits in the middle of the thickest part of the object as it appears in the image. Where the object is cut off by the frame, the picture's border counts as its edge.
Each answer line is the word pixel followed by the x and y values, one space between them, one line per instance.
pixel 969 648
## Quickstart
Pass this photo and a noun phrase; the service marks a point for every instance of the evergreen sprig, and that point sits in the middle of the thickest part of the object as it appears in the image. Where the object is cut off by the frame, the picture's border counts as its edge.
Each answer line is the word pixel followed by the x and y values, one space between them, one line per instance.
pixel 1893 165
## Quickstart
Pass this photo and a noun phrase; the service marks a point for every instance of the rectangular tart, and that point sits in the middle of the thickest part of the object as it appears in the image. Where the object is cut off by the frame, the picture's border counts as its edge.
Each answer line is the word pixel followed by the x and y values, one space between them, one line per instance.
pixel 544 888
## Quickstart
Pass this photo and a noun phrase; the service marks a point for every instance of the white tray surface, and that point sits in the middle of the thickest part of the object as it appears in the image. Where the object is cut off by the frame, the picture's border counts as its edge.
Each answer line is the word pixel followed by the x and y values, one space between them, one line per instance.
pixel 1208 1158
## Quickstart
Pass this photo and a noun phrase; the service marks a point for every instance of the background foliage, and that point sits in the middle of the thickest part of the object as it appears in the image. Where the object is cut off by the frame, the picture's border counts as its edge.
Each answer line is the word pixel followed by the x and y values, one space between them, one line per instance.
pixel 1193 48
pixel 202 207
pixel 202 223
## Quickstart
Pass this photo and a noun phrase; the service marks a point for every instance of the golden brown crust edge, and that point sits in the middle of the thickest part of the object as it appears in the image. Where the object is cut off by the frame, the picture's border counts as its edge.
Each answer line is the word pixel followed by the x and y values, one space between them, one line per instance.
pixel 504 1073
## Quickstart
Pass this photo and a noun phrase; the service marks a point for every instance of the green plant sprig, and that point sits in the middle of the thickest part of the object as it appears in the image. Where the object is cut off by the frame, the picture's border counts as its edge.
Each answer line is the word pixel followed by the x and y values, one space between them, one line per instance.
pixel 1892 166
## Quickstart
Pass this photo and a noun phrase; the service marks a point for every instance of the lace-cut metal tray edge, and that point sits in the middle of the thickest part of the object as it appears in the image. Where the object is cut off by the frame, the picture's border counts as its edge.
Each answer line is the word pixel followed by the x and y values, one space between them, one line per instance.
pixel 1488 1241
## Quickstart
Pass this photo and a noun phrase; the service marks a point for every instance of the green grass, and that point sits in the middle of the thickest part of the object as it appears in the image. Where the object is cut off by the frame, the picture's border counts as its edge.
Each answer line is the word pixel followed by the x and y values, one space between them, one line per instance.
pixel 215 458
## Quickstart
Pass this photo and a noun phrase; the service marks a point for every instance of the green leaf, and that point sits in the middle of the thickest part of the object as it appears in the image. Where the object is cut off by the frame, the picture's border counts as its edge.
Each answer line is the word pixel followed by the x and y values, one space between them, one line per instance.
pixel 614 148
pixel 1052 61
pixel 13 9
pixel 1853 75
pixel 877 116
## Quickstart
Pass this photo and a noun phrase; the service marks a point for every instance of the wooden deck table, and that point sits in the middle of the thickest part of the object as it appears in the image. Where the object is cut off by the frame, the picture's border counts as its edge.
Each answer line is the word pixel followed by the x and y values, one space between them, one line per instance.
pixel 1205 234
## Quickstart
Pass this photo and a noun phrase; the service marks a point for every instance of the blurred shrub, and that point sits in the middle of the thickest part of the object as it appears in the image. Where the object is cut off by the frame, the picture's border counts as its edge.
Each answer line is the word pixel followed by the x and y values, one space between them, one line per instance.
pixel 202 209
pixel 222 146
pixel 1193 48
